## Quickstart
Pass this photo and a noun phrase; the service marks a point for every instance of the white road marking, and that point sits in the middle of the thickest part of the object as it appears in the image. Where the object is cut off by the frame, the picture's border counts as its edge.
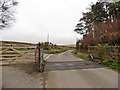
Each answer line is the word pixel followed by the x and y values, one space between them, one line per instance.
pixel 63 52
pixel 48 56
pixel 70 64
pixel 58 64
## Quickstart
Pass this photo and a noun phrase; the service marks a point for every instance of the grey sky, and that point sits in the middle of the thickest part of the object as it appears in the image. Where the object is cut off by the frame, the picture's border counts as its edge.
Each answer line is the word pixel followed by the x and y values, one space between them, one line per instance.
pixel 37 18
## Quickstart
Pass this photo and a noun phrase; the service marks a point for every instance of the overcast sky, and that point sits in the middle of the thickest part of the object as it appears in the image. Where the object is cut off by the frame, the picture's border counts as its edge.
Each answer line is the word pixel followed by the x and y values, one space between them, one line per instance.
pixel 38 18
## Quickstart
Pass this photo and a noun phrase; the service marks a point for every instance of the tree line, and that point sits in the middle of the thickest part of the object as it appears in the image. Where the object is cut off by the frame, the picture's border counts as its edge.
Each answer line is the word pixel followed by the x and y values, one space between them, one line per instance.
pixel 100 24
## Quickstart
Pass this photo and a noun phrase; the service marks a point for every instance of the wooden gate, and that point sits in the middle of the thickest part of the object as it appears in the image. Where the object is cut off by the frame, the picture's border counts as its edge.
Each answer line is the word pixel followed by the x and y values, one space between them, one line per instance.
pixel 11 53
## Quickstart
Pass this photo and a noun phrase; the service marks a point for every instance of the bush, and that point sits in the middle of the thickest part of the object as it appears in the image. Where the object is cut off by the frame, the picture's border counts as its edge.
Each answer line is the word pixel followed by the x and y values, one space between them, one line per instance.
pixel 103 51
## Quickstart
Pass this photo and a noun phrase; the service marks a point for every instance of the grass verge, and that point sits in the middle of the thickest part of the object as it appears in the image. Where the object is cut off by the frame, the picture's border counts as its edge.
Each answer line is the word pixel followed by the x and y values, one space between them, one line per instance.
pixel 55 51
pixel 81 55
pixel 111 64
pixel 107 62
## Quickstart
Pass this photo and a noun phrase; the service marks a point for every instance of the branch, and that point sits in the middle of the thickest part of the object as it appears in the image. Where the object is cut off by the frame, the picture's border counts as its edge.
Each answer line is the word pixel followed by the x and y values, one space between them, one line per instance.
pixel 7 12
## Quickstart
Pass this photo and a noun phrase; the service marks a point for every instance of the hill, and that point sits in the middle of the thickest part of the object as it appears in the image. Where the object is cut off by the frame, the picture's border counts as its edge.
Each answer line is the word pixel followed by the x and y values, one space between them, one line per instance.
pixel 15 43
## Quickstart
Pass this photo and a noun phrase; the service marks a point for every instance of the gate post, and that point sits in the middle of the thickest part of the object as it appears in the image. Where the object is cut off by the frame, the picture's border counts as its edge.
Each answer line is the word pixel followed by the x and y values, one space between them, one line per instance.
pixel 39 57
pixel 39 52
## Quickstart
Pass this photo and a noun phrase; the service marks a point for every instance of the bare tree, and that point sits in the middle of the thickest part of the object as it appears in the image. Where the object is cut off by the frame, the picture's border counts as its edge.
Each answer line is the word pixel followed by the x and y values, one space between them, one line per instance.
pixel 7 12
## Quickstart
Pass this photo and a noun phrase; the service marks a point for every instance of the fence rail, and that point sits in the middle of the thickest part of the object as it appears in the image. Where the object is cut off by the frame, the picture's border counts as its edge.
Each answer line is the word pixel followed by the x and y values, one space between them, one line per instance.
pixel 13 52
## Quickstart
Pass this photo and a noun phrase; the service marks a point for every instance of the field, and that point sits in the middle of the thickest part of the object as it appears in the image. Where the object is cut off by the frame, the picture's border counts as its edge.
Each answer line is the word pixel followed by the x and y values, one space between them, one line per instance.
pixel 49 49
pixel 15 43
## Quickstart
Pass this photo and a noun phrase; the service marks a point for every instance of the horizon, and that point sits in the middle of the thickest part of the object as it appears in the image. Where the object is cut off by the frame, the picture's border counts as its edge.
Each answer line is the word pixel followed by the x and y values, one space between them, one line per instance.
pixel 31 42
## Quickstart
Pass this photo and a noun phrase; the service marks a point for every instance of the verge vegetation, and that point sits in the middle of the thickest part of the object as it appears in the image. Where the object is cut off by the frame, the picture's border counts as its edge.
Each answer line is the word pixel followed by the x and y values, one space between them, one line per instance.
pixel 55 50
pixel 109 62
pixel 50 48
pixel 82 55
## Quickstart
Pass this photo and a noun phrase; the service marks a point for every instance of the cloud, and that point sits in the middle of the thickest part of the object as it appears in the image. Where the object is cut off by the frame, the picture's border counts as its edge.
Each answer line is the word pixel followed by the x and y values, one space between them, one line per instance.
pixel 37 18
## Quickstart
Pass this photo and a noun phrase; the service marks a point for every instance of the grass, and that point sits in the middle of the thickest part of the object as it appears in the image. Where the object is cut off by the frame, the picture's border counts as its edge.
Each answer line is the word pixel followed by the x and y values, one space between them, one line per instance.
pixel 107 62
pixel 22 49
pixel 53 51
pixel 56 50
pixel 81 55
pixel 111 64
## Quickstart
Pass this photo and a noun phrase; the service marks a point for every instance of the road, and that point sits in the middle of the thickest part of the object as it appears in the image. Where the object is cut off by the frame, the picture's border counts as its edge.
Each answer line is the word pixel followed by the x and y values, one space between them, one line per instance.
pixel 65 70
pixel 62 70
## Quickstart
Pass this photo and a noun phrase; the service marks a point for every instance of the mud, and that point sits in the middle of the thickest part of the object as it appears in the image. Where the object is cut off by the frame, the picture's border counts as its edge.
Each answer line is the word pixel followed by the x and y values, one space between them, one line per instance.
pixel 23 73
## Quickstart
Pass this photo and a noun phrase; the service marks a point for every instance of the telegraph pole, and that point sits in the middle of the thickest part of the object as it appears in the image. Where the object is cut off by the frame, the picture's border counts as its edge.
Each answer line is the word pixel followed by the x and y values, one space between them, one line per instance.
pixel 48 38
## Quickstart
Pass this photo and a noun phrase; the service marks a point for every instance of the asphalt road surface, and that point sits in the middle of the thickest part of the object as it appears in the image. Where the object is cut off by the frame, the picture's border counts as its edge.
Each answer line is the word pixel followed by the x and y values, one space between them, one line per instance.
pixel 62 70
pixel 65 70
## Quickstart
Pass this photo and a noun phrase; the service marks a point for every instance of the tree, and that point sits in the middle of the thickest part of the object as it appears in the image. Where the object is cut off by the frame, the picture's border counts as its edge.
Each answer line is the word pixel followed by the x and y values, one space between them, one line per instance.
pixel 101 24
pixel 99 12
pixel 79 28
pixel 7 12
pixel 114 11
pixel 85 23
